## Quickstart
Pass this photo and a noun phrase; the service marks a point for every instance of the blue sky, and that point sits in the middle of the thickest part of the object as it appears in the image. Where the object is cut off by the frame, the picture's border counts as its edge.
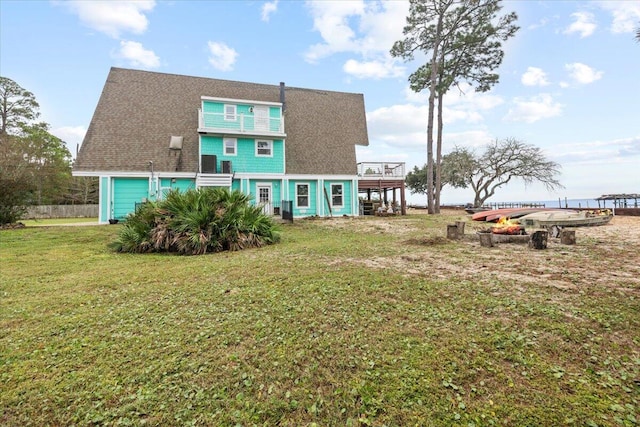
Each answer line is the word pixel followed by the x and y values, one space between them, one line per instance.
pixel 568 83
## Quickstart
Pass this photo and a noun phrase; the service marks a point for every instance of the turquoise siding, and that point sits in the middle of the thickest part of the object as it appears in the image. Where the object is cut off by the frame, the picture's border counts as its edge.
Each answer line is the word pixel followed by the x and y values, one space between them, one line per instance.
pixel 347 197
pixel 104 199
pixel 214 117
pixel 182 184
pixel 313 197
pixel 235 185
pixel 246 159
pixel 126 193
pixel 276 190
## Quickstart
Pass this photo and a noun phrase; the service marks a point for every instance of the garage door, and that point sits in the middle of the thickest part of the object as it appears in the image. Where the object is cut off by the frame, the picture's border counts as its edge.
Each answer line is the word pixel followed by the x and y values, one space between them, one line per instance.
pixel 126 193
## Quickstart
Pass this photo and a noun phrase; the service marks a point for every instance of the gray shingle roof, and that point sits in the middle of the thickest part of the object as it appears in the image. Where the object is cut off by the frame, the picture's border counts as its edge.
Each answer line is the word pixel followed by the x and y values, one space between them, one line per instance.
pixel 139 111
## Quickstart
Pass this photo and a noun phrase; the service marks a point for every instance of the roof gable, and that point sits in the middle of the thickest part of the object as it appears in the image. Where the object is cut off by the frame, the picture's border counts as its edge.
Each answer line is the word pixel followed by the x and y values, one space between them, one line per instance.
pixel 139 111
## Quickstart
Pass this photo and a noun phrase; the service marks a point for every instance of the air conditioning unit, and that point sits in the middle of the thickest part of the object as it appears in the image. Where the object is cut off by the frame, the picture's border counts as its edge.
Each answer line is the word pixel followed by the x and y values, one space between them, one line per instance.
pixel 208 164
pixel 226 166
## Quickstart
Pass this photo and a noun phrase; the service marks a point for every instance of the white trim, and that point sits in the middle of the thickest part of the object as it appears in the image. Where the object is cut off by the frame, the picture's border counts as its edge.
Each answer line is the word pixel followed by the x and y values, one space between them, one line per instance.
pixel 133 174
pixel 295 190
pixel 248 175
pixel 268 208
pixel 269 141
pixel 304 177
pixel 224 145
pixel 241 101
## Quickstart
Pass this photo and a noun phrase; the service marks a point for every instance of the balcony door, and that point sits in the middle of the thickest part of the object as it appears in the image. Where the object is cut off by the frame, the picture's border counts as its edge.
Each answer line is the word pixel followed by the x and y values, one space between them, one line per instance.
pixel 264 198
pixel 261 117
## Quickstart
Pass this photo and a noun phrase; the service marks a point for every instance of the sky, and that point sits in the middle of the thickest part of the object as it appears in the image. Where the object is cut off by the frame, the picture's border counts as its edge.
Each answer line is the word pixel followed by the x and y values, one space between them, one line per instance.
pixel 568 82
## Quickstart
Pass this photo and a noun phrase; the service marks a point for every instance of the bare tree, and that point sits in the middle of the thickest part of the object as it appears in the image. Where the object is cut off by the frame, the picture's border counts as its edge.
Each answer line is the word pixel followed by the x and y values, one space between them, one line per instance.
pixel 502 162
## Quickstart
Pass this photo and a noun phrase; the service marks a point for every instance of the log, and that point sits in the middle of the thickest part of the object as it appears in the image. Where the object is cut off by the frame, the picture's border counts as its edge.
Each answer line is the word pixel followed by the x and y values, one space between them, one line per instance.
pixel 452 232
pixel 568 237
pixel 486 239
pixel 510 238
pixel 538 239
pixel 460 225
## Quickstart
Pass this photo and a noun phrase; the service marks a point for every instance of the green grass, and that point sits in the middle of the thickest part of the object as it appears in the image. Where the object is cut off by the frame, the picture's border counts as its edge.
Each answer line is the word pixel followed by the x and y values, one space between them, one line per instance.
pixel 56 221
pixel 322 329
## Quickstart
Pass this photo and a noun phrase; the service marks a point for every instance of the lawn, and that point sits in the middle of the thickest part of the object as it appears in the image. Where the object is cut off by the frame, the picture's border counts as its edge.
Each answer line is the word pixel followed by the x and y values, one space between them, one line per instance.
pixel 362 322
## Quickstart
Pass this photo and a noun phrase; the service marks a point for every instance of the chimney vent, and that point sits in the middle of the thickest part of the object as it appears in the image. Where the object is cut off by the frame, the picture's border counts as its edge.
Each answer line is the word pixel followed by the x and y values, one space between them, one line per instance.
pixel 176 143
pixel 282 96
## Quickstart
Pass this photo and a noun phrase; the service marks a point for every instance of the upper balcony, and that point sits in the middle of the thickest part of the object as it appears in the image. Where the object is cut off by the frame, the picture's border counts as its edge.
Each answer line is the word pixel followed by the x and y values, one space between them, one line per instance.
pixel 381 170
pixel 241 124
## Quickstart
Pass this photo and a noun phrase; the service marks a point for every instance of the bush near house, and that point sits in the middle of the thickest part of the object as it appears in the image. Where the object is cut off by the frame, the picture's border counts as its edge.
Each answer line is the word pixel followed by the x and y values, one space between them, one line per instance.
pixel 196 222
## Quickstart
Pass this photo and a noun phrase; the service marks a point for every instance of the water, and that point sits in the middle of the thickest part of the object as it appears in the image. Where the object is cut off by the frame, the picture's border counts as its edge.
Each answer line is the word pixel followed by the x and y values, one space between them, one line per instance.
pixel 580 203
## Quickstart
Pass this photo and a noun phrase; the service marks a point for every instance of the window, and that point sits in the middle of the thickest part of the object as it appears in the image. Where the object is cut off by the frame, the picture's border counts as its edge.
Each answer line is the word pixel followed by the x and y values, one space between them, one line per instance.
pixel 264 148
pixel 302 195
pixel 230 146
pixel 230 112
pixel 336 194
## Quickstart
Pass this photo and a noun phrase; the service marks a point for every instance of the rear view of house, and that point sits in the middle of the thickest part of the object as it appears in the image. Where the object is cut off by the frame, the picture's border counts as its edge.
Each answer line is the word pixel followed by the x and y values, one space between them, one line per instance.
pixel 291 149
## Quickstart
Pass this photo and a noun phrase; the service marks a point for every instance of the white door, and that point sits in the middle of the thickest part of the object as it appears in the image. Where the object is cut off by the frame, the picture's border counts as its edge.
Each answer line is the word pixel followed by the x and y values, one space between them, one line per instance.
pixel 264 197
pixel 261 117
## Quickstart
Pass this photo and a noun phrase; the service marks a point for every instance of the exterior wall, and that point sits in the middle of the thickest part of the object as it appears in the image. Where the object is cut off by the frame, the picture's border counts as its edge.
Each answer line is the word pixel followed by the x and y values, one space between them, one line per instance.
pixel 245 160
pixel 313 198
pixel 182 184
pixel 244 116
pixel 347 198
pixel 126 193
pixel 276 190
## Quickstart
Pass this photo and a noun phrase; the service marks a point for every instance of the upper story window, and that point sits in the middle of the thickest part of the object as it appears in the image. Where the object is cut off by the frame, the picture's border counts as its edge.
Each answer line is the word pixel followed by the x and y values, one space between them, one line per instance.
pixel 230 112
pixel 264 148
pixel 302 195
pixel 230 146
pixel 336 195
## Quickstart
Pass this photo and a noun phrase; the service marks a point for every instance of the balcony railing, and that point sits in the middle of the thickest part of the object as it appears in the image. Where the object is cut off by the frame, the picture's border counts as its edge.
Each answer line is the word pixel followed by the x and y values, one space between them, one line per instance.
pixel 248 124
pixel 381 170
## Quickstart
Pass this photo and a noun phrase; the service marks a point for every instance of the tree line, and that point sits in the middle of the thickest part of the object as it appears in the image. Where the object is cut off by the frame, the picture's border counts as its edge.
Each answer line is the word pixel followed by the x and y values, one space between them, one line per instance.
pixel 35 166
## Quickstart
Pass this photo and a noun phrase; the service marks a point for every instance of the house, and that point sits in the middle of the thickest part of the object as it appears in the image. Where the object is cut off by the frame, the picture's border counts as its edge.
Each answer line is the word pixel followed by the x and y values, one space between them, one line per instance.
pixel 152 132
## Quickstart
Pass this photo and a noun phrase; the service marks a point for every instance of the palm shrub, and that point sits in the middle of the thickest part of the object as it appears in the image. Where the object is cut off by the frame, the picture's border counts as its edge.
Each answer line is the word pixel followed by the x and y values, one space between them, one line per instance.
pixel 196 222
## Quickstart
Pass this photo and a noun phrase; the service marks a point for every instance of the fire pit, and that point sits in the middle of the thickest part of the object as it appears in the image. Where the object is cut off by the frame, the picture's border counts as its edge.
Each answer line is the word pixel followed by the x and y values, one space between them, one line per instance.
pixel 508 227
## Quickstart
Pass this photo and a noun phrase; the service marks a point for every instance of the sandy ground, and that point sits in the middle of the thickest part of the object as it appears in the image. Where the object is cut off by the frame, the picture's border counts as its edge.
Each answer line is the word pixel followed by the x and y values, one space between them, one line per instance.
pixel 606 255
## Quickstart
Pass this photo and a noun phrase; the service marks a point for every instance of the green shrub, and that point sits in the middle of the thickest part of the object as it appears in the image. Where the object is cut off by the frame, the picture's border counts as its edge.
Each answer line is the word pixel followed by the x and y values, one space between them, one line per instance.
pixel 196 222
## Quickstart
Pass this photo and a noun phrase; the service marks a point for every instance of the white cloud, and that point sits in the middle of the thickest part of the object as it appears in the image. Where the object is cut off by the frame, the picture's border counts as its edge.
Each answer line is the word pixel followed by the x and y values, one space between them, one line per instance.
pixel 137 55
pixel 112 17
pixel 582 73
pixel 534 77
pixel 463 96
pixel 72 135
pixel 626 15
pixel 268 9
pixel 367 29
pixel 617 150
pixel 533 109
pixel 222 57
pixel 372 69
pixel 584 24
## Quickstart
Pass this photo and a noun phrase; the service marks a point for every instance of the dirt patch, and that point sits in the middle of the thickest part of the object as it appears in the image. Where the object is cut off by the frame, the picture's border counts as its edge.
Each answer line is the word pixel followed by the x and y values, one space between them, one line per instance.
pixel 603 255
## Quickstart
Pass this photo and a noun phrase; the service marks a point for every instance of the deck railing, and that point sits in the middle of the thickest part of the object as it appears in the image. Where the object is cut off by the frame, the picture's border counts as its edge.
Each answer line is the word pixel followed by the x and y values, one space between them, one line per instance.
pixel 240 123
pixel 381 170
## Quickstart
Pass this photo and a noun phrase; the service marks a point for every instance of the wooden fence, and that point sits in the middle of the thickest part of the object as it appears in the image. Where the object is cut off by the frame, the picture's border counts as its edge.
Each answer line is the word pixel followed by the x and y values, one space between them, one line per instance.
pixel 62 211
